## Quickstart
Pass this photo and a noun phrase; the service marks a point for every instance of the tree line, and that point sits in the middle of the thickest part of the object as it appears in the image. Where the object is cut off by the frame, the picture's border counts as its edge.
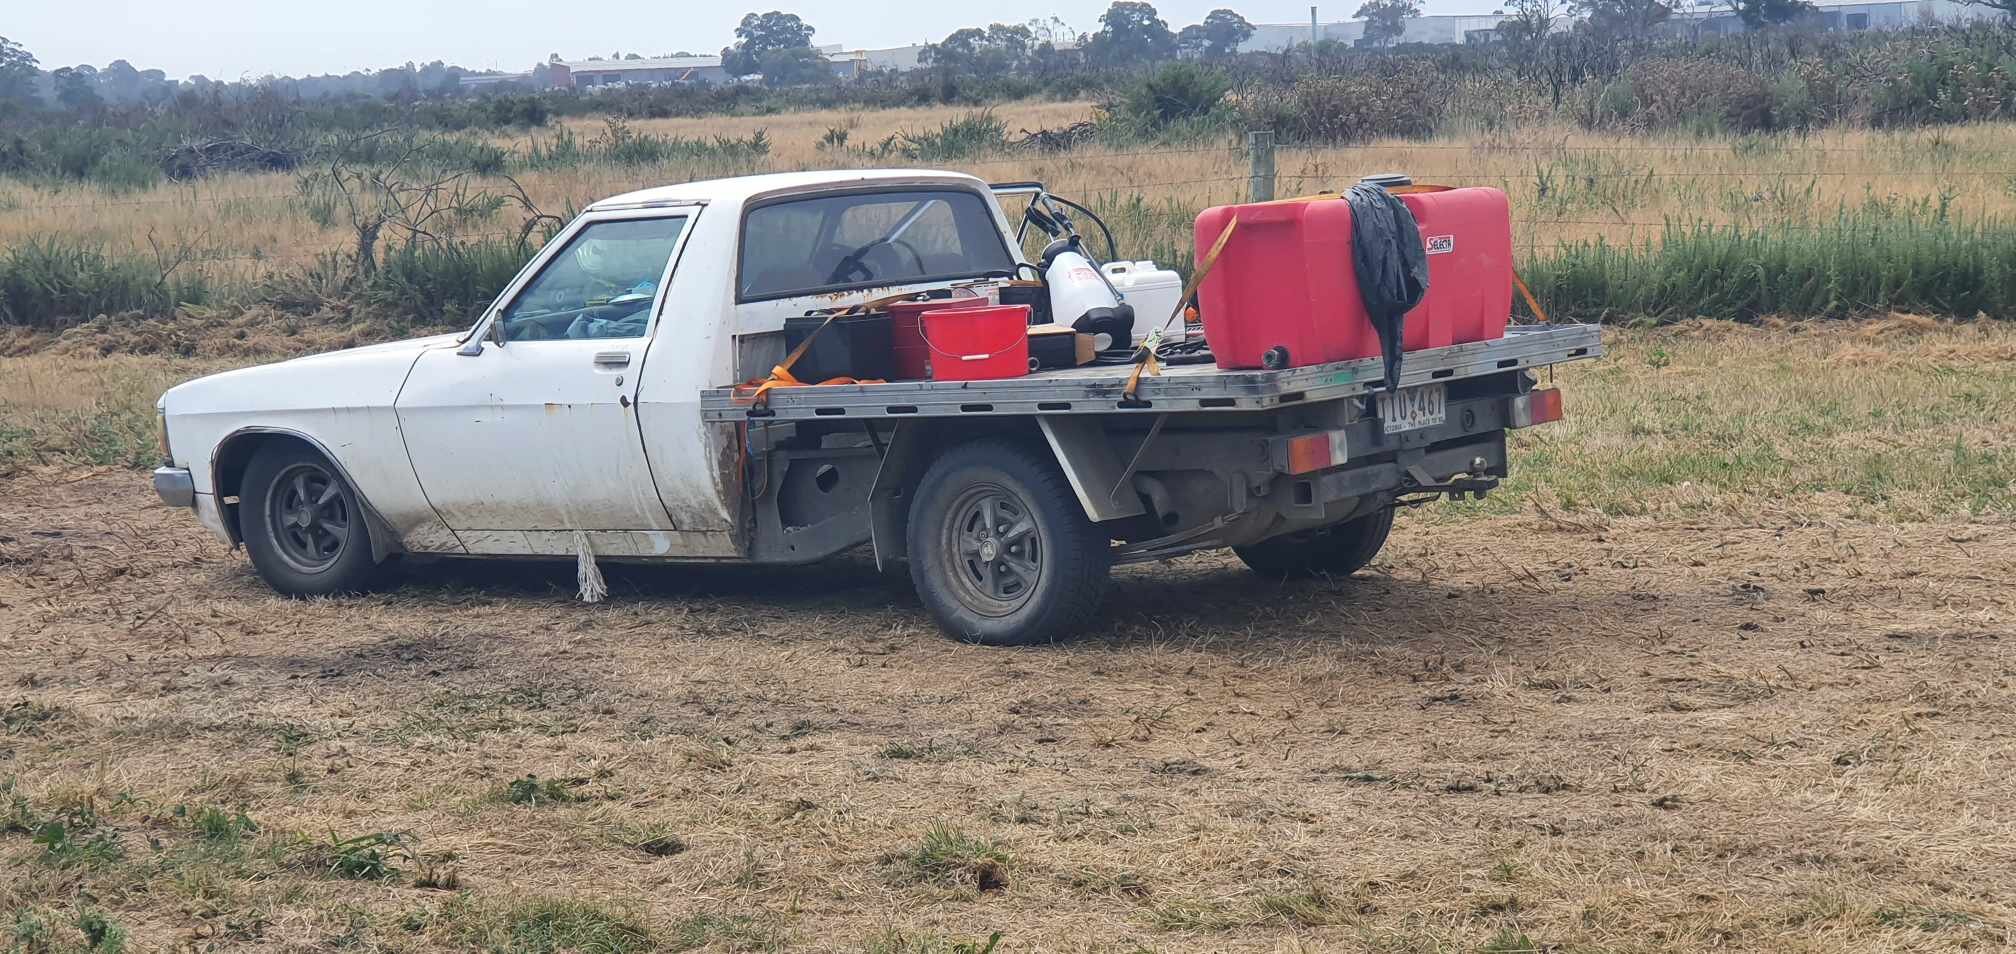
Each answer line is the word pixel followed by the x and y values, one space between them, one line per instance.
pixel 776 46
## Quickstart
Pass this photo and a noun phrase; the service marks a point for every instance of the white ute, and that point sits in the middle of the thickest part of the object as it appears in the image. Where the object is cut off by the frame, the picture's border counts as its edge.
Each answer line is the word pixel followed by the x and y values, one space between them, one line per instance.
pixel 594 403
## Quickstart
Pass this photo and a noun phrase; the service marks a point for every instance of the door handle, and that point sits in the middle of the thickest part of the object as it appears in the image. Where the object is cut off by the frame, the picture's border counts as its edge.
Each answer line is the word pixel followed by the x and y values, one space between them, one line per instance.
pixel 612 359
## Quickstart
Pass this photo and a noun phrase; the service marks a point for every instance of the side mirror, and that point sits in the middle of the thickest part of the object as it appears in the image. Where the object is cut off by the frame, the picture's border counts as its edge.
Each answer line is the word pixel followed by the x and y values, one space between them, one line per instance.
pixel 491 330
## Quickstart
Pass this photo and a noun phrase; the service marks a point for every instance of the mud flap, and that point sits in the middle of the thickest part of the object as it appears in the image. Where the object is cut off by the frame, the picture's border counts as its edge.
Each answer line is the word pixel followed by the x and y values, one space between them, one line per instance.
pixel 1085 453
pixel 888 506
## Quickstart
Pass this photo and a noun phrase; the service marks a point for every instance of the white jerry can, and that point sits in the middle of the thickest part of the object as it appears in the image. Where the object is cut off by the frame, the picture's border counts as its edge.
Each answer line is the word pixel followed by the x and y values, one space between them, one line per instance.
pixel 1152 291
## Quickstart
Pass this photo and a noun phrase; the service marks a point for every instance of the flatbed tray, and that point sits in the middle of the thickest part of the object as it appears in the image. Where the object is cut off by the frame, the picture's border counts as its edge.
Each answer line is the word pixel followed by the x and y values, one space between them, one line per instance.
pixel 1100 389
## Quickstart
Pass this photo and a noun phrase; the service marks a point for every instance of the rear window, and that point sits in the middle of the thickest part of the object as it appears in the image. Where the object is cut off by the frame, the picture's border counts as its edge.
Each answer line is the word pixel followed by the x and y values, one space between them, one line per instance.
pixel 838 242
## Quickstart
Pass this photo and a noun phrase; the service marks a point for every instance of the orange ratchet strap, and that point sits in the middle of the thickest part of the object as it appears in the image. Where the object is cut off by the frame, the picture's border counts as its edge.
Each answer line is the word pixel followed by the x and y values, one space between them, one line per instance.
pixel 1146 362
pixel 758 392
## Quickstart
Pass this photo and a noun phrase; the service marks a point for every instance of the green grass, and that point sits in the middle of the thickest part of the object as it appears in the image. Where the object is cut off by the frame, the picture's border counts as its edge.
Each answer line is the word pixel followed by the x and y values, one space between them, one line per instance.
pixel 533 790
pixel 1309 907
pixel 1871 259
pixel 27 717
pixel 370 857
pixel 658 839
pixel 898 942
pixel 554 926
pixel 84 930
pixel 930 750
pixel 1194 914
pixel 48 282
pixel 1511 941
pixel 1889 424
pixel 735 932
pixel 949 858
pixel 218 827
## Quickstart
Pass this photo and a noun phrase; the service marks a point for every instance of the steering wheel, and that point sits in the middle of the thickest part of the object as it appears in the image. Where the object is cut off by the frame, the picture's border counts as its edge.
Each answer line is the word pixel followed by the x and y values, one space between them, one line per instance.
pixel 853 263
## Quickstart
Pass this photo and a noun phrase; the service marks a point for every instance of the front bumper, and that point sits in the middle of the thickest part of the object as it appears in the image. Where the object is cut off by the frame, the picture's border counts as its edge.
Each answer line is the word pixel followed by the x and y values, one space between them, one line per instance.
pixel 175 486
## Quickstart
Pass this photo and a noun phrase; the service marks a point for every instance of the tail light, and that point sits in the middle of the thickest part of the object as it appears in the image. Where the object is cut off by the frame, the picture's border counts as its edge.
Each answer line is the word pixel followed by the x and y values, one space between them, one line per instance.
pixel 1313 452
pixel 1536 407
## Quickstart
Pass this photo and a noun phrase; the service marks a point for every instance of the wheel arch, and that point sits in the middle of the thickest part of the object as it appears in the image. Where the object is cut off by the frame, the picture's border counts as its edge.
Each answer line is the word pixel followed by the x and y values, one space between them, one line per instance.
pixel 227 474
pixel 913 445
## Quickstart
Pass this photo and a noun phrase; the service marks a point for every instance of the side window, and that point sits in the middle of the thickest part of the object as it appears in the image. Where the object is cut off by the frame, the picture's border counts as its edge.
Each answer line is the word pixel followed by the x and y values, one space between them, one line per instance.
pixel 838 242
pixel 600 285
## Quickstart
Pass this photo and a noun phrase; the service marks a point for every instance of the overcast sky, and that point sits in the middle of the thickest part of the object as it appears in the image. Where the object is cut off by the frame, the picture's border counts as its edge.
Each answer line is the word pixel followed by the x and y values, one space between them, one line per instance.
pixel 234 39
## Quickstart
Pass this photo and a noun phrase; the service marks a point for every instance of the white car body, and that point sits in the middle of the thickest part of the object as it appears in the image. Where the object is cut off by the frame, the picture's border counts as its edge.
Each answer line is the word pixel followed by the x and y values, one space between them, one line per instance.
pixel 510 451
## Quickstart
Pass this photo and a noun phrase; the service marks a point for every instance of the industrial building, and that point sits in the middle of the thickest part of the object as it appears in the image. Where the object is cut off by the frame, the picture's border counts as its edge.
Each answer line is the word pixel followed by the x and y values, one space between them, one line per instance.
pixel 1266 38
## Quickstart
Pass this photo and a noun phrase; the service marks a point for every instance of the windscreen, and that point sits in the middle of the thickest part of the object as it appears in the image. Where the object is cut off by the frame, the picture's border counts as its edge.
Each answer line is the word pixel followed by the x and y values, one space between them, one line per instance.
pixel 838 242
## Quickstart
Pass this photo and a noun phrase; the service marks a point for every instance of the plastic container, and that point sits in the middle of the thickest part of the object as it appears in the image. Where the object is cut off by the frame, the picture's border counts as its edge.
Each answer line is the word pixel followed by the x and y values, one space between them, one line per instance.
pixel 910 357
pixel 1468 234
pixel 978 343
pixel 856 346
pixel 1152 291
pixel 1285 283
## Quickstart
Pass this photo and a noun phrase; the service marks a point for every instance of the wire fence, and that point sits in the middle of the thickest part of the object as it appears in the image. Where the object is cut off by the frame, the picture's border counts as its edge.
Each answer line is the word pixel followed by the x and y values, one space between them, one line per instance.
pixel 1068 160
pixel 1082 172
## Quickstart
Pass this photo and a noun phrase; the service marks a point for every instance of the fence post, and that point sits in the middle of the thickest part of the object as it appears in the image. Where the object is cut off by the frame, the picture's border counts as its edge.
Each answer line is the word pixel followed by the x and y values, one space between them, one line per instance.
pixel 1260 149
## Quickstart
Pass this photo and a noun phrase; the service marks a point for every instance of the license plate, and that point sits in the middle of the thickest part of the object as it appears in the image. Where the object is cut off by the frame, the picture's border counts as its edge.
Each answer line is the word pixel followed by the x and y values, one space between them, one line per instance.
pixel 1414 408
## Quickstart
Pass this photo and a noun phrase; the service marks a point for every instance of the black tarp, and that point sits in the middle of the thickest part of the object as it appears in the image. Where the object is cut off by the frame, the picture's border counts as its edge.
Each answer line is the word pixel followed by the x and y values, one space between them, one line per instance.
pixel 1392 266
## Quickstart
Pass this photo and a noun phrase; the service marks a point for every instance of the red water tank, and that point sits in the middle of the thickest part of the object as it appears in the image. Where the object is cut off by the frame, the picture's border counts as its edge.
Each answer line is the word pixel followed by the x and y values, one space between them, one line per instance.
pixel 1285 280
pixel 1468 235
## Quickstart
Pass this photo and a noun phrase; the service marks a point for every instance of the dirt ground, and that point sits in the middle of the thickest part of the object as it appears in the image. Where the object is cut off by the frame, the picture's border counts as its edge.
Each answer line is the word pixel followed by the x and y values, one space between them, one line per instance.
pixel 1512 733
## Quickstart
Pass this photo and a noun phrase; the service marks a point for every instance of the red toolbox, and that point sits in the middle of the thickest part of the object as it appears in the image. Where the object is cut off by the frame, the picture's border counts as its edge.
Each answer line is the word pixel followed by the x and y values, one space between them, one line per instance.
pixel 1285 279
pixel 977 343
pixel 910 354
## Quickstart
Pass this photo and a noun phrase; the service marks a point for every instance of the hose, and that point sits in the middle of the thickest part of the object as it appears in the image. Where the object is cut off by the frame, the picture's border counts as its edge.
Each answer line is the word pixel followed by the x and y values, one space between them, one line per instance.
pixel 1112 249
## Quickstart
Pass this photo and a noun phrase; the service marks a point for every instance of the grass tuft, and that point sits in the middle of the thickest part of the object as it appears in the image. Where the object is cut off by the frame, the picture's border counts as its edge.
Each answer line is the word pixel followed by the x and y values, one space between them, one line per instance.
pixel 535 791
pixel 553 926
pixel 370 857
pixel 1313 907
pixel 950 858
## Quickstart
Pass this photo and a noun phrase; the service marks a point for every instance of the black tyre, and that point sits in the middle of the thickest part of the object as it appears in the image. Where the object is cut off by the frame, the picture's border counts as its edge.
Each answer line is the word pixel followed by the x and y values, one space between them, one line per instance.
pixel 1337 550
pixel 1000 551
pixel 303 524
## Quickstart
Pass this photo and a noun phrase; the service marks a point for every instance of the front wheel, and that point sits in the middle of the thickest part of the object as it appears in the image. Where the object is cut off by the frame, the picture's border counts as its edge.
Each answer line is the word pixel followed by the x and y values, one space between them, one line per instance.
pixel 303 525
pixel 1337 550
pixel 1000 551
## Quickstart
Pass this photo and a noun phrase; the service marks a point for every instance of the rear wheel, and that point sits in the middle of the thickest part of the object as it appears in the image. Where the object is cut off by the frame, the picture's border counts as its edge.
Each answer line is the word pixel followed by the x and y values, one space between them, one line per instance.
pixel 303 524
pixel 1337 550
pixel 1000 552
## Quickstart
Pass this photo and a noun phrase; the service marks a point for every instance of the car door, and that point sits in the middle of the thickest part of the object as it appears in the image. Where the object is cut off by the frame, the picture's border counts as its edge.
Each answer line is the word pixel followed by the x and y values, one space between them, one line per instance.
pixel 518 444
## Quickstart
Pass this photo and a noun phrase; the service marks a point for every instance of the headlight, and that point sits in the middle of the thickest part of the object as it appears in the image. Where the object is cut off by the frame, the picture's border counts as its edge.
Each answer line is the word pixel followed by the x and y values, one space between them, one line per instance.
pixel 161 435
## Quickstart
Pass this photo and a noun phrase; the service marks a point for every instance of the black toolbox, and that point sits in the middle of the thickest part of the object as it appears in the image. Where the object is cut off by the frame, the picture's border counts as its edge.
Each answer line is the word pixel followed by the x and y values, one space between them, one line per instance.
pixel 854 346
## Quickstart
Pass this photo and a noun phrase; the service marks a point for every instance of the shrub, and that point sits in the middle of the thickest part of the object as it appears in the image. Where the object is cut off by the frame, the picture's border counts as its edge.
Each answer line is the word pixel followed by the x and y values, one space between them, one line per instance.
pixel 622 145
pixel 1697 95
pixel 1393 96
pixel 428 284
pixel 972 134
pixel 51 284
pixel 1177 93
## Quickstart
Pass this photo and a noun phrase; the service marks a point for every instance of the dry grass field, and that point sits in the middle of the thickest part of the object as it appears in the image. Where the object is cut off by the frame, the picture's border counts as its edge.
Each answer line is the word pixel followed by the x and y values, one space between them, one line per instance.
pixel 1565 184
pixel 1726 667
